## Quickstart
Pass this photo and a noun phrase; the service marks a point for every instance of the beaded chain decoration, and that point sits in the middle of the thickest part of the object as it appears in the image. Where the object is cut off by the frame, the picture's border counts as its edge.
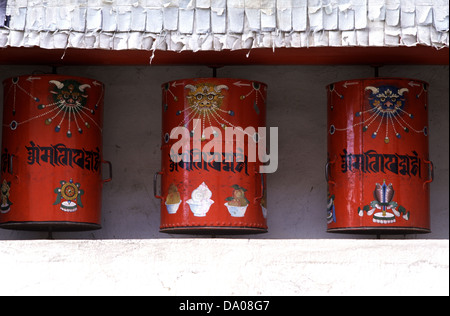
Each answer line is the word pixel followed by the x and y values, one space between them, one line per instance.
pixel 387 104
pixel 205 105
pixel 67 103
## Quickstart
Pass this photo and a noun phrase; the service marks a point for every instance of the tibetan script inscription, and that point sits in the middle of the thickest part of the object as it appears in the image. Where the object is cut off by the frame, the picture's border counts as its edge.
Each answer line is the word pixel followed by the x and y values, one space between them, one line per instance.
pixel 372 162
pixel 60 155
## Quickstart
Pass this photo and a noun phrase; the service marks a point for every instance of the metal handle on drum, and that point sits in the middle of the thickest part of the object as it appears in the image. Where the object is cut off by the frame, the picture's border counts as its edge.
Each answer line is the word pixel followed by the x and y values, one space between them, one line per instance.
pixel 327 173
pixel 155 180
pixel 10 167
pixel 110 170
pixel 262 189
pixel 431 171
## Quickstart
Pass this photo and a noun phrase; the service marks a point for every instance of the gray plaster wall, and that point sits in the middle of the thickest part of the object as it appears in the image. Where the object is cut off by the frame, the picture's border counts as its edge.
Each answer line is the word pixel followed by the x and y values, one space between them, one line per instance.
pixel 296 105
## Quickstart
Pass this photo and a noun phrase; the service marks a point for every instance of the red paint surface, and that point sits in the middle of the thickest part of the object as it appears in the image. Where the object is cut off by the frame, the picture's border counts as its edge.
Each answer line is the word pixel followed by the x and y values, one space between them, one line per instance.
pixel 358 159
pixel 241 104
pixel 40 162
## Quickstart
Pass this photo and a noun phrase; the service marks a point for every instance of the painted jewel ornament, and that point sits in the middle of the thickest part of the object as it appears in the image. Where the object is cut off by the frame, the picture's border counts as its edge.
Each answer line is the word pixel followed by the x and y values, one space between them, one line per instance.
pixel 70 192
pixel 378 170
pixel 6 203
pixel 200 201
pixel 66 106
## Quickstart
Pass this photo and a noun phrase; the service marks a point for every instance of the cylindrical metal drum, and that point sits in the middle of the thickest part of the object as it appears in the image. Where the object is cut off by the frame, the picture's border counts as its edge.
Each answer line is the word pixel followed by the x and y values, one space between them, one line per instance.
pixel 52 153
pixel 215 186
pixel 378 169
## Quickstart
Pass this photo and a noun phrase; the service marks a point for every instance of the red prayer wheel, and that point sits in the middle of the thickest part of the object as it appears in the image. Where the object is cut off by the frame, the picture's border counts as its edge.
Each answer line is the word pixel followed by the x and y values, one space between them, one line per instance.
pixel 378 168
pixel 52 153
pixel 215 186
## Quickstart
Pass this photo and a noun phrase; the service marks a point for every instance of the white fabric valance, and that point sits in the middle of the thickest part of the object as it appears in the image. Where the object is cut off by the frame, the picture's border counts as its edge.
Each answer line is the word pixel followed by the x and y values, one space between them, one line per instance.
pixel 195 25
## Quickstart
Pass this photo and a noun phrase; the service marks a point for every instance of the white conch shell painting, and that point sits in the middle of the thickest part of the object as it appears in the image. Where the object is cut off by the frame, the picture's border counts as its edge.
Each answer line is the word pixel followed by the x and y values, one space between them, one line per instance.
pixel 200 201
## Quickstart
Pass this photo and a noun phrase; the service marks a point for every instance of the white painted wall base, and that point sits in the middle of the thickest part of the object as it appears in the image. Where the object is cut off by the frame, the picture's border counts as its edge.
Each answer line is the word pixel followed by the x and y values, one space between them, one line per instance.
pixel 224 267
